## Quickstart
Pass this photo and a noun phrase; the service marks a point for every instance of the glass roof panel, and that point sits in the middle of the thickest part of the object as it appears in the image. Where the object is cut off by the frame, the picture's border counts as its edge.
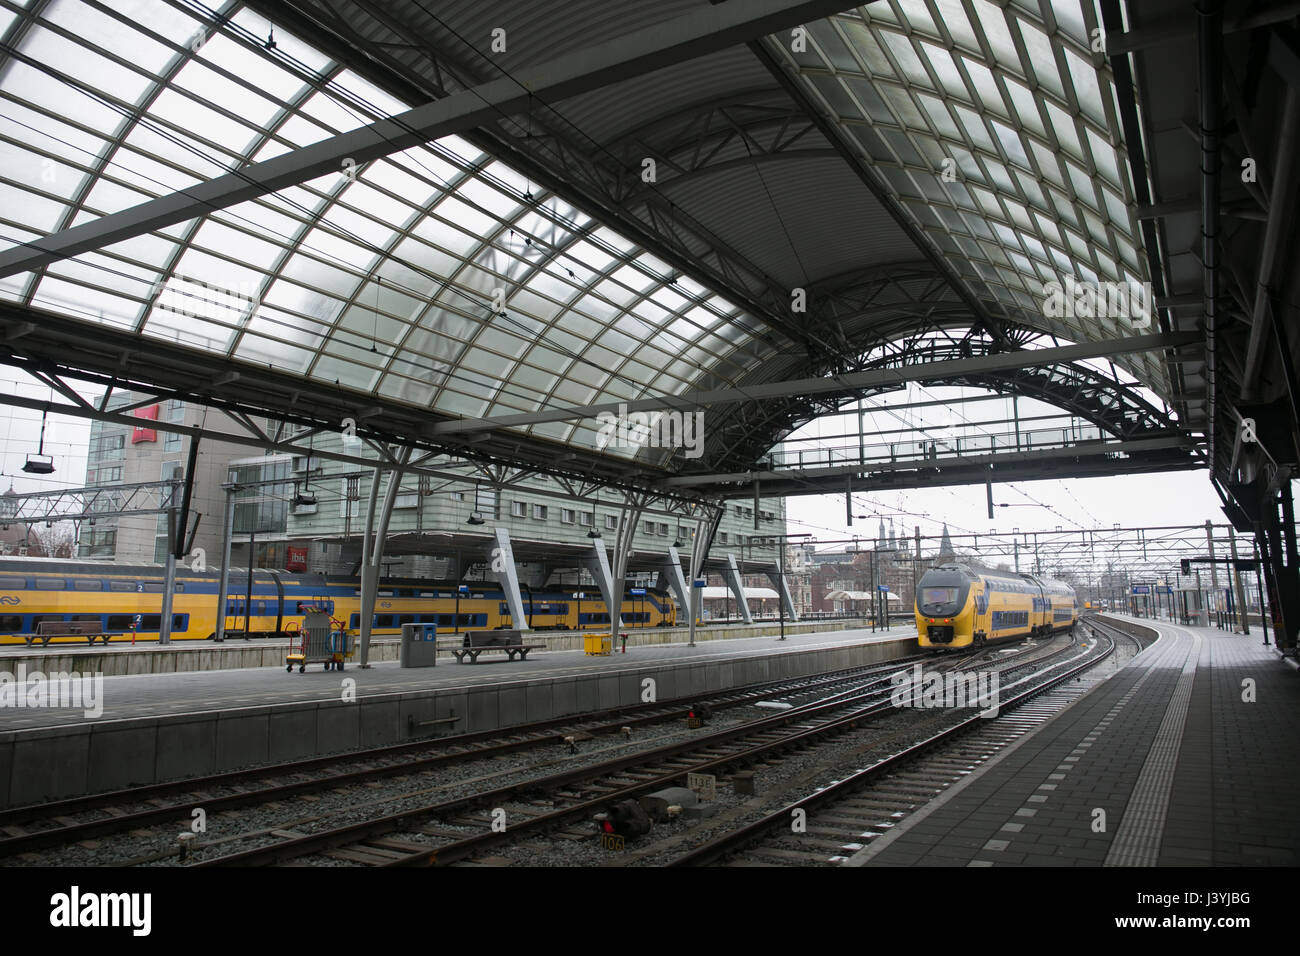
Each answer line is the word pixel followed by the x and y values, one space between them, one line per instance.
pixel 387 282
pixel 1039 107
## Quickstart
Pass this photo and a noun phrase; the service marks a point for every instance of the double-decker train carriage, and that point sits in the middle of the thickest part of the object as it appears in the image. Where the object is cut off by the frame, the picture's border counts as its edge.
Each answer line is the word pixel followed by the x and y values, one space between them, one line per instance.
pixel 965 605
pixel 125 601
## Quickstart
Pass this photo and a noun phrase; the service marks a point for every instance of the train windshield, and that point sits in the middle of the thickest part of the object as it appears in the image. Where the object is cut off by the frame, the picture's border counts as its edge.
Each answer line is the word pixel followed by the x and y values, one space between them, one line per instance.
pixel 938 595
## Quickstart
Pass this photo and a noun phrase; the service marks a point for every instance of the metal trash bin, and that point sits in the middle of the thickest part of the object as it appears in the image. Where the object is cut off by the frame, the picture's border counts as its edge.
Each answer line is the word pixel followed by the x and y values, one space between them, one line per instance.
pixel 419 646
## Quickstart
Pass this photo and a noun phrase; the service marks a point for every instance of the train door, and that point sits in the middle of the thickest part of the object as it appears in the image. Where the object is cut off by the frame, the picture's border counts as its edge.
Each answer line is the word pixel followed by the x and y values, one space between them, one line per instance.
pixel 982 623
pixel 279 603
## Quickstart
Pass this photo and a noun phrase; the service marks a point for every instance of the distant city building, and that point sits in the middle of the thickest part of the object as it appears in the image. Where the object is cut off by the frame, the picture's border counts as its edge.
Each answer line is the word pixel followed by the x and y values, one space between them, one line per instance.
pixel 307 513
pixel 121 454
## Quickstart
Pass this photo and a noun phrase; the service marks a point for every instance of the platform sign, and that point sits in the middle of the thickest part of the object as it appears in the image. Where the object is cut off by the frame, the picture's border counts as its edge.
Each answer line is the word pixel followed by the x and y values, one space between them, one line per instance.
pixel 638 592
pixel 882 587
pixel 1141 589
pixel 704 784
pixel 698 583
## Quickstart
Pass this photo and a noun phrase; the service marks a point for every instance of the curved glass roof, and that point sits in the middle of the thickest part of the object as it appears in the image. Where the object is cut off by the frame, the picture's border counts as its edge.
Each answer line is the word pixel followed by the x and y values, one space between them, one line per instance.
pixel 441 277
pixel 436 276
pixel 995 128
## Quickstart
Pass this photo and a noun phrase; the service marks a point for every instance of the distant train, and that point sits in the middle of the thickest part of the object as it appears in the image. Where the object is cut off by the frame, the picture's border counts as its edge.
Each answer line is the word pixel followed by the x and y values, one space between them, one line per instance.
pixel 127 601
pixel 965 605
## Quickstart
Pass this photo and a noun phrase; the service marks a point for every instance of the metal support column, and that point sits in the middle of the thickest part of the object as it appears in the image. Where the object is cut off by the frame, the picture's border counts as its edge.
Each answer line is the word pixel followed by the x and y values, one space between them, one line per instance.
pixel 737 584
pixel 777 577
pixel 372 560
pixel 169 582
pixel 223 588
pixel 670 574
pixel 503 565
pixel 598 564
pixel 627 524
pixel 1214 568
pixel 1236 574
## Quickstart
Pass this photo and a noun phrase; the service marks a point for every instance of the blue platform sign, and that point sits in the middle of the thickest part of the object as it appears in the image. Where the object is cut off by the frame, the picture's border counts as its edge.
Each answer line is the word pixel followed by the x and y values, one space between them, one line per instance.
pixel 1141 589
pixel 698 583
pixel 882 587
pixel 638 592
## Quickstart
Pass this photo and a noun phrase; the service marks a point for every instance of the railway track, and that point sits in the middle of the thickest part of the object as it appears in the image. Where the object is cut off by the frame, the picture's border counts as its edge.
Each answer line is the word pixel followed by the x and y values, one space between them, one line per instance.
pixel 840 819
pixel 464 828
pixel 79 819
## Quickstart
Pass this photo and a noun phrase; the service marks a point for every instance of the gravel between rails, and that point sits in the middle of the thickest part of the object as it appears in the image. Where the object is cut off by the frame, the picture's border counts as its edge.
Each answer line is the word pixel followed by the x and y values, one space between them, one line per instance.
pixel 251 826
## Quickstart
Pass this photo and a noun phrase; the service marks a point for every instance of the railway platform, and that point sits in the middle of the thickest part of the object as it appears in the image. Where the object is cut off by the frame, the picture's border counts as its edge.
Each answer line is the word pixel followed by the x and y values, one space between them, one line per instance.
pixel 1181 758
pixel 155 727
pixel 149 657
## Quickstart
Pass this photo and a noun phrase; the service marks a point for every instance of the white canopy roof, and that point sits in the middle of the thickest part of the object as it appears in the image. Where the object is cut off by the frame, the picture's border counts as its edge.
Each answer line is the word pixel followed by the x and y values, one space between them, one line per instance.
pixel 859 596
pixel 751 594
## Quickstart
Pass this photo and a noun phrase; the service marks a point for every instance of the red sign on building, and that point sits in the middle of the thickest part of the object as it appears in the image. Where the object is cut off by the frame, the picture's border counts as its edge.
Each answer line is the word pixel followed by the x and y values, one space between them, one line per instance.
pixel 297 559
pixel 140 434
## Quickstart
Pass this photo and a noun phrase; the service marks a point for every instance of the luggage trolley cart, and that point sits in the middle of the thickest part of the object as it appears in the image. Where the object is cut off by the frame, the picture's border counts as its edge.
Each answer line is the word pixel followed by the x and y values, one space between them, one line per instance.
pixel 324 641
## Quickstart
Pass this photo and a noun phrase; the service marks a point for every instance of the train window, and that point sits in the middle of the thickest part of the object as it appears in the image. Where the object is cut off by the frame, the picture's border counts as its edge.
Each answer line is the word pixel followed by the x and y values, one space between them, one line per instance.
pixel 13 584
pixel 86 584
pixel 152 587
pixel 180 622
pixel 11 623
pixel 51 584
pixel 121 585
pixel 120 622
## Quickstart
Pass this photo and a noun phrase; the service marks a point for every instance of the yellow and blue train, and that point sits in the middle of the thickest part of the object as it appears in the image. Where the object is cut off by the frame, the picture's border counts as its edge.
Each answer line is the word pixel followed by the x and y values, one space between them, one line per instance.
pixel 965 605
pixel 125 601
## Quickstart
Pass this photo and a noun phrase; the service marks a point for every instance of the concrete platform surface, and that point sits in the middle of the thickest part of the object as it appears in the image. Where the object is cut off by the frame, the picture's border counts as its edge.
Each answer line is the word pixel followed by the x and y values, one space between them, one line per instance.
pixel 156 727
pixel 152 695
pixel 150 657
pixel 1187 756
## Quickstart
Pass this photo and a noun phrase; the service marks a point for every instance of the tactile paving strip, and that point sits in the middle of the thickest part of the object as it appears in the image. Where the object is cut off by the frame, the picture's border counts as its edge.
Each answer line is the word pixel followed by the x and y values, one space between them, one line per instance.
pixel 1137 842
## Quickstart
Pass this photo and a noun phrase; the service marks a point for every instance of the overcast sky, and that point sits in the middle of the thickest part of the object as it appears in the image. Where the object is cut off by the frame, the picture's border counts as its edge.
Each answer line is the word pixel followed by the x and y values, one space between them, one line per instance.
pixel 1174 498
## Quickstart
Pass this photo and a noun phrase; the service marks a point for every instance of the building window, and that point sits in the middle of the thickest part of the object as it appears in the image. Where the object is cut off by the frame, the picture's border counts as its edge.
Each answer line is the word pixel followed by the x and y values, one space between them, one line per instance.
pixel 611 522
pixel 584 519
pixel 458 496
pixel 663 527
pixel 405 499
pixel 722 537
pixel 567 515
pixel 518 509
pixel 682 533
pixel 647 527
pixel 540 512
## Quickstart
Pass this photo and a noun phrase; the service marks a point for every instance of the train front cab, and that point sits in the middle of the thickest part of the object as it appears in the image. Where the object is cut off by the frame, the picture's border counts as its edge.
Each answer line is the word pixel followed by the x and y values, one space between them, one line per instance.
pixel 945 609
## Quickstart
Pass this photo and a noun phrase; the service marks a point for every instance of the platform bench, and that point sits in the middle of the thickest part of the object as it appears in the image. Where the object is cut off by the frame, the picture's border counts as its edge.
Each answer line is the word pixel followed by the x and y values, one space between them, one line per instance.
pixel 477 642
pixel 92 631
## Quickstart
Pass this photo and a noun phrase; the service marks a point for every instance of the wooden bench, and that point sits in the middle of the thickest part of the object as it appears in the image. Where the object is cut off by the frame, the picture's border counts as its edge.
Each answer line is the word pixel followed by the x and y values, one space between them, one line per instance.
pixel 477 642
pixel 92 631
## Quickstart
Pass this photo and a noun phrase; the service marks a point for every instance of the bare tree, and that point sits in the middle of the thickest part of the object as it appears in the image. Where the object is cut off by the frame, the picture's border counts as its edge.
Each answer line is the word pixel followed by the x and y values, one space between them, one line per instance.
pixel 59 541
